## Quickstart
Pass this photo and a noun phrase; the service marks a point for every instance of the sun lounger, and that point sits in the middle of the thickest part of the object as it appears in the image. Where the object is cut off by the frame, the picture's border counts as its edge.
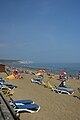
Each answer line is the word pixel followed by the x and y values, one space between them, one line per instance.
pixel 49 85
pixel 36 81
pixel 63 90
pixel 2 81
pixel 31 108
pixel 3 86
pixel 44 84
pixel 20 102
pixel 7 91
pixel 10 86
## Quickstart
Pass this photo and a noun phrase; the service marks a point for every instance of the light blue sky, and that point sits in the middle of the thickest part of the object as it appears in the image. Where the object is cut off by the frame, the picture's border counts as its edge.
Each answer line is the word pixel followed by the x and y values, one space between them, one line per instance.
pixel 40 30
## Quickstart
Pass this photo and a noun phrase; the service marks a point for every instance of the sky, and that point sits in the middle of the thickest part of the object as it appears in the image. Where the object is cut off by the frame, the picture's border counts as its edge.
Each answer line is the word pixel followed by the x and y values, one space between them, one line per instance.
pixel 42 31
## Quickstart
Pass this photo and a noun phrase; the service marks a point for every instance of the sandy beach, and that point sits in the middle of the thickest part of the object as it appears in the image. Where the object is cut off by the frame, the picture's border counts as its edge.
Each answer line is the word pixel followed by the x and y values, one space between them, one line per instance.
pixel 54 106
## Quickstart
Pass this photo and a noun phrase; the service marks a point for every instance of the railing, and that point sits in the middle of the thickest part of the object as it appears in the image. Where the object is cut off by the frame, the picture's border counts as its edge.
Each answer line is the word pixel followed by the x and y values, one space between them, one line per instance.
pixel 6 112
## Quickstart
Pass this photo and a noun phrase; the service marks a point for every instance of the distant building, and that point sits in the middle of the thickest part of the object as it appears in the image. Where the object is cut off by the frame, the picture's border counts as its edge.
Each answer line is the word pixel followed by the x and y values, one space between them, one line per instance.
pixel 2 68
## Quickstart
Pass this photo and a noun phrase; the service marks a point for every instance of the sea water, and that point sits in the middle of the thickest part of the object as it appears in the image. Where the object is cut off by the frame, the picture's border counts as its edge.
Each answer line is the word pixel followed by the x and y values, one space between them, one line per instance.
pixel 70 68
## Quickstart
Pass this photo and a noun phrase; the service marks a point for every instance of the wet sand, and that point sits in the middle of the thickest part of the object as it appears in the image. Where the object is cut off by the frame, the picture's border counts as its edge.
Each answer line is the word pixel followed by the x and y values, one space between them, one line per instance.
pixel 53 106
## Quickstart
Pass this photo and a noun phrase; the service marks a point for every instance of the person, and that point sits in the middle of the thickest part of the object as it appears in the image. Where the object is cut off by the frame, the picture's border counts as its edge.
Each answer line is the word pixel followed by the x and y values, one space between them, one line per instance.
pixel 63 84
pixel 78 75
pixel 41 77
pixel 78 90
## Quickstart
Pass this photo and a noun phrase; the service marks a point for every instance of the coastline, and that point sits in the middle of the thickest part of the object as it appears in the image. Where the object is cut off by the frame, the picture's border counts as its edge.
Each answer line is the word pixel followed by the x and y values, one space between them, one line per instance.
pixel 55 68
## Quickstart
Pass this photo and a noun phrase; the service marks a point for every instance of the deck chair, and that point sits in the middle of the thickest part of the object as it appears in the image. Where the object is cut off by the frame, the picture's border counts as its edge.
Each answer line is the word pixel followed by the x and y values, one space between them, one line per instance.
pixel 8 85
pixel 11 86
pixel 44 84
pixel 36 81
pixel 2 81
pixel 7 91
pixel 31 108
pixel 20 102
pixel 49 85
pixel 63 90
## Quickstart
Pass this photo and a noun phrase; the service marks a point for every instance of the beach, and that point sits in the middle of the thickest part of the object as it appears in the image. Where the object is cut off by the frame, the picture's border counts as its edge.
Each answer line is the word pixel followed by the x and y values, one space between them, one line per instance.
pixel 53 106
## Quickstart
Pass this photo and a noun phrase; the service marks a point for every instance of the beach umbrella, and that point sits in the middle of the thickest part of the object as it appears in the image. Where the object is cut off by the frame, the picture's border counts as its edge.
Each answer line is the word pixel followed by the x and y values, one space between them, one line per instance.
pixel 42 71
pixel 62 73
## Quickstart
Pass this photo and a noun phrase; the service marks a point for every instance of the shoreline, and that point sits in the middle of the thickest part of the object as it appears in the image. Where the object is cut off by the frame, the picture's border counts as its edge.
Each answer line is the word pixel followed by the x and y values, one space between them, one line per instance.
pixel 54 68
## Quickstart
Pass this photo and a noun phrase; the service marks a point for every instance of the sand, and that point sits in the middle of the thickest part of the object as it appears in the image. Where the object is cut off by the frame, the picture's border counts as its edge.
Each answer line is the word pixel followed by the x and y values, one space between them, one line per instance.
pixel 54 106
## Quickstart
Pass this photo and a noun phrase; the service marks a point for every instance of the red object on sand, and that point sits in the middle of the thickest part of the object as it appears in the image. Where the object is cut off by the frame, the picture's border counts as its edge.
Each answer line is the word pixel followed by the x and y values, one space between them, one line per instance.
pixel 17 75
pixel 42 71
pixel 63 73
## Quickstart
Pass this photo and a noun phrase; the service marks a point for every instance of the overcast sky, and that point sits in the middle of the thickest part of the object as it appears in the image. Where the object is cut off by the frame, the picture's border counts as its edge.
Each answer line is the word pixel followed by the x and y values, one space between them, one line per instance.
pixel 40 30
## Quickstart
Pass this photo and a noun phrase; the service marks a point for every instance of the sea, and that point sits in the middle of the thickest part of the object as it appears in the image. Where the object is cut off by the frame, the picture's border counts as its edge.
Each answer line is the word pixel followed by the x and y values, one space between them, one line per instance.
pixel 70 68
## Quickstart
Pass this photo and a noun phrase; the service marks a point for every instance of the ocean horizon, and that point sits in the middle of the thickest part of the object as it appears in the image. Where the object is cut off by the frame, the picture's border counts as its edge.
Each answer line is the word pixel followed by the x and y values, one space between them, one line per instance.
pixel 70 68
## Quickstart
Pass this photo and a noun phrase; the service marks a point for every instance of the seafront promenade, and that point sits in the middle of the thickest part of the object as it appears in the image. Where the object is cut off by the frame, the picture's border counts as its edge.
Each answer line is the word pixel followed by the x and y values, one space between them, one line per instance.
pixel 6 113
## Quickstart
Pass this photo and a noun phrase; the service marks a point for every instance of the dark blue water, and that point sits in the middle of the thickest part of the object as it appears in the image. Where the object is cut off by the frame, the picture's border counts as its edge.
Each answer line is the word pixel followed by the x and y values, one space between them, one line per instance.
pixel 70 68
